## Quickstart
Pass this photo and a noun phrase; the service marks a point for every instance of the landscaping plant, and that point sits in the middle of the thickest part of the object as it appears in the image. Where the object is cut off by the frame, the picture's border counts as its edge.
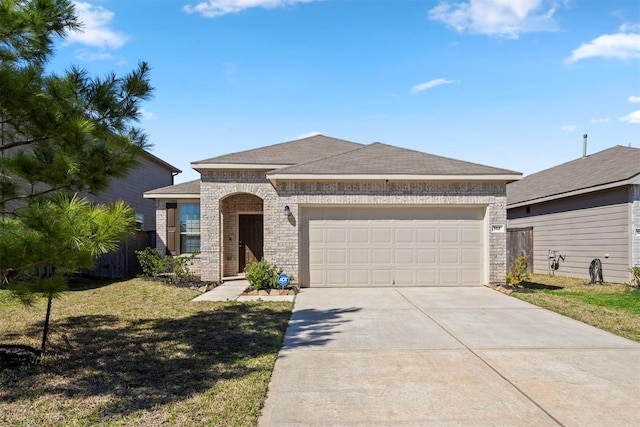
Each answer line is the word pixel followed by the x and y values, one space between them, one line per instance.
pixel 262 275
pixel 519 272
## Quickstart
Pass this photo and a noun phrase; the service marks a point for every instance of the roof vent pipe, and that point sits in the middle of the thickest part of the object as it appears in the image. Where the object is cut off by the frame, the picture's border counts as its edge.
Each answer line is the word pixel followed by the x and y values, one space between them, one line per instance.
pixel 584 145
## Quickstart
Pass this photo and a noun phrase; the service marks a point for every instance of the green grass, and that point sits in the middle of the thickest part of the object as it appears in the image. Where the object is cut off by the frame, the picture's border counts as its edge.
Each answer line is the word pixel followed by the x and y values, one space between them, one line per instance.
pixel 612 307
pixel 141 353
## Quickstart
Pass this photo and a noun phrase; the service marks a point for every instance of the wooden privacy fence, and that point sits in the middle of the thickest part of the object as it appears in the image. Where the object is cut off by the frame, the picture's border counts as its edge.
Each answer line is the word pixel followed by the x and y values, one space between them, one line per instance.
pixel 124 264
pixel 520 243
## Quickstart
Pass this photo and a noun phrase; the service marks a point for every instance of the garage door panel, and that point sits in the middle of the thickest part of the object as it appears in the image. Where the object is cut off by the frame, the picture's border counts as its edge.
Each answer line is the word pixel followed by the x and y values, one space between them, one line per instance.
pixel 359 235
pixel 405 236
pixel 471 236
pixel 358 277
pixel 404 256
pixel 381 256
pixel 336 235
pixel 471 256
pixel 381 277
pixel 381 235
pixel 404 277
pixel 427 256
pixel 449 236
pixel 337 257
pixel 449 256
pixel 316 235
pixel 427 235
pixel 398 246
pixel 359 256
pixel 316 257
pixel 470 277
pixel 449 277
pixel 337 277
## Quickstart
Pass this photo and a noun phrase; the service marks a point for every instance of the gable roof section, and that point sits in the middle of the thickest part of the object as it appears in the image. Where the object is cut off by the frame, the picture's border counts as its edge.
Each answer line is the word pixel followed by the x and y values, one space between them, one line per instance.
pixel 184 190
pixel 609 168
pixel 279 155
pixel 382 161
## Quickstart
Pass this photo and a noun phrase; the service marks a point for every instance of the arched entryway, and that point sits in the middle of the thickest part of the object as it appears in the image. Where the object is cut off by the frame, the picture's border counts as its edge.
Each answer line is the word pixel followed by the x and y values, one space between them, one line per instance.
pixel 242 231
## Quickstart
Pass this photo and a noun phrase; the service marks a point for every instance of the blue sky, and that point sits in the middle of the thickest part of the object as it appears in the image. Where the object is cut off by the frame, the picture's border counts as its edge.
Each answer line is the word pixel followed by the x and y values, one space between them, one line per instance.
pixel 506 83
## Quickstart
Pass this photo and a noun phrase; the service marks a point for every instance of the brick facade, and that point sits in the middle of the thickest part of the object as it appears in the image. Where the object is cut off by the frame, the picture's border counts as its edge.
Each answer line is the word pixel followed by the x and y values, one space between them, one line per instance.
pixel 224 194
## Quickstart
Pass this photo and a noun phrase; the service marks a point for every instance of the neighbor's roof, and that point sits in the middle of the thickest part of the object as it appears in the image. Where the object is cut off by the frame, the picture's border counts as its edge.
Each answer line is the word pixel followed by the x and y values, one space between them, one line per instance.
pixel 378 159
pixel 609 168
pixel 184 190
pixel 279 155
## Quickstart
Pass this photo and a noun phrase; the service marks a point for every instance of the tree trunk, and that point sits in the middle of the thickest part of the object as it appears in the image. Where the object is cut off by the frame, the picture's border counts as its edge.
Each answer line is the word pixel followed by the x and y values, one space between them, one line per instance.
pixel 46 326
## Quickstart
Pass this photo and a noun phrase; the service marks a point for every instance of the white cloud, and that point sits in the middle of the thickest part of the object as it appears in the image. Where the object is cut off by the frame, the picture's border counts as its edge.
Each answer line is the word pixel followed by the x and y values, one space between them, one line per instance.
pixel 148 115
pixel 602 120
pixel 95 28
pixel 631 117
pixel 86 56
pixel 507 18
pixel 569 128
pixel 307 135
pixel 618 46
pixel 634 99
pixel 213 8
pixel 429 85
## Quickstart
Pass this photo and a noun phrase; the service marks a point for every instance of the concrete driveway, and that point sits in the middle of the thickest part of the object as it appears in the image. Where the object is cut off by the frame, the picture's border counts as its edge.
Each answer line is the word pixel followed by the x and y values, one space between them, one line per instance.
pixel 447 356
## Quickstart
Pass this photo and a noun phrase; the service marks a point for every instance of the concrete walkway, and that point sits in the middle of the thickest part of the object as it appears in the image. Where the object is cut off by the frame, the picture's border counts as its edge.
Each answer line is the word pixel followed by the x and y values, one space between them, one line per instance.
pixel 447 356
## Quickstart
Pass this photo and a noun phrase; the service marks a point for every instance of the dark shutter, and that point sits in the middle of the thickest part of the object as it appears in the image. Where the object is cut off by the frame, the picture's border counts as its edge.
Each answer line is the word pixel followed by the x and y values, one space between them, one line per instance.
pixel 173 229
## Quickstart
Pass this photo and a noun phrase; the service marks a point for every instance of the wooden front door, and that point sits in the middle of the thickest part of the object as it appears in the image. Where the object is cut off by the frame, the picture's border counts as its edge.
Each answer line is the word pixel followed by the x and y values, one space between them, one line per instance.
pixel 250 243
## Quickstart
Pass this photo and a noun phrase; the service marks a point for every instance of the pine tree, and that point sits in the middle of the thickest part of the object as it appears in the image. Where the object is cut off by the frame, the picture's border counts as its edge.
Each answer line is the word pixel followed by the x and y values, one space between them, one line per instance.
pixel 60 134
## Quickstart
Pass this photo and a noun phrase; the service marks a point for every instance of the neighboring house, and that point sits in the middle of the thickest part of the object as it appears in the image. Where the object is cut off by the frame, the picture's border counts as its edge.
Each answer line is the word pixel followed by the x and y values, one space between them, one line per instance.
pixel 151 172
pixel 337 213
pixel 584 209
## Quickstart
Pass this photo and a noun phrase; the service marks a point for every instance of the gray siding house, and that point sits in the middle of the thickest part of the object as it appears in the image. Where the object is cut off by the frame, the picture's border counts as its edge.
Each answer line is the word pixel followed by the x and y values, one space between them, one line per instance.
pixel 151 172
pixel 336 213
pixel 584 209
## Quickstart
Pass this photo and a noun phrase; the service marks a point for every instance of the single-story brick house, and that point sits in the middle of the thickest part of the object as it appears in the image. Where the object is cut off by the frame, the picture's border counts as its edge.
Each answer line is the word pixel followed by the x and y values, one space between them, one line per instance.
pixel 336 213
pixel 584 209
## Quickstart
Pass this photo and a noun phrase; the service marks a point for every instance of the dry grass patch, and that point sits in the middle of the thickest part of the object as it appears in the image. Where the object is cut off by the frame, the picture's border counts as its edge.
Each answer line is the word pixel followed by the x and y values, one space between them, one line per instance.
pixel 140 353
pixel 611 307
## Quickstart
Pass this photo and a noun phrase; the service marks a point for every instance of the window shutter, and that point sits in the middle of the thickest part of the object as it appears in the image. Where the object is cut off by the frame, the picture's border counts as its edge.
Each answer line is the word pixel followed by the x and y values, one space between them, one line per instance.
pixel 173 232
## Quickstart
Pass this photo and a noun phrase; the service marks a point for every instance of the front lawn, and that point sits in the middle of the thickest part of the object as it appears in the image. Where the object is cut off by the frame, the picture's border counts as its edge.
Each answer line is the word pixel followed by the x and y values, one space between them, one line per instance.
pixel 140 353
pixel 612 307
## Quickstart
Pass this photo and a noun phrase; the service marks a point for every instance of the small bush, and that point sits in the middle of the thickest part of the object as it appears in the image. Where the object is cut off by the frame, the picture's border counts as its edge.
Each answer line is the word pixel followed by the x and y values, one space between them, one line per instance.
pixel 181 268
pixel 262 275
pixel 152 262
pixel 519 272
pixel 635 279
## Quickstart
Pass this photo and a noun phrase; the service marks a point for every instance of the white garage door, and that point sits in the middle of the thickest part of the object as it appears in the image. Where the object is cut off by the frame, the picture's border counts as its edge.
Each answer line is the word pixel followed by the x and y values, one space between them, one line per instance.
pixel 392 246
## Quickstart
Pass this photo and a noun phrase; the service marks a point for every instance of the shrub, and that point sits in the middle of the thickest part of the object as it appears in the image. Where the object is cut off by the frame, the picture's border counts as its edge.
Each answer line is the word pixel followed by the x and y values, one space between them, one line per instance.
pixel 152 262
pixel 262 275
pixel 635 280
pixel 519 272
pixel 181 268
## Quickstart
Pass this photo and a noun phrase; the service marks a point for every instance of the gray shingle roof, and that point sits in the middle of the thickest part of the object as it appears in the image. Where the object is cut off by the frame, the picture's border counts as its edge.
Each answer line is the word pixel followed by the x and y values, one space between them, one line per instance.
pixel 612 165
pixel 189 187
pixel 383 159
pixel 287 153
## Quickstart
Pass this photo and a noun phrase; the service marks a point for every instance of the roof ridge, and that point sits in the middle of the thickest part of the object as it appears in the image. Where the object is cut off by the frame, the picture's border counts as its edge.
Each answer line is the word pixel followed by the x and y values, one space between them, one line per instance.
pixel 319 160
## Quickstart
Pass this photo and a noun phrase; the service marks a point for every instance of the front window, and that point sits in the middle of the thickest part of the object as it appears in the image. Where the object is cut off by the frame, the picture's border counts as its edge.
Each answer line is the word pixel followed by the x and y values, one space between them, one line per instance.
pixel 189 228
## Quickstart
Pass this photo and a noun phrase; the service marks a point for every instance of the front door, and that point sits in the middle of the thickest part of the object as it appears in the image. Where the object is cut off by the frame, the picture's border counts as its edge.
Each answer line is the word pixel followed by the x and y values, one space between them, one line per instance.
pixel 250 244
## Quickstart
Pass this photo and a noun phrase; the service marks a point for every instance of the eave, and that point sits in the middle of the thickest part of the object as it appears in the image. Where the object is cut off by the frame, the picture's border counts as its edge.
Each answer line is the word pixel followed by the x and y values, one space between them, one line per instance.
pixel 631 181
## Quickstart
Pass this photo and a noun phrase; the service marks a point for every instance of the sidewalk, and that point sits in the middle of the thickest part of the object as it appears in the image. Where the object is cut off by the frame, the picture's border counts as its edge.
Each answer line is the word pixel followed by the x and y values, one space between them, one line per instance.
pixel 232 291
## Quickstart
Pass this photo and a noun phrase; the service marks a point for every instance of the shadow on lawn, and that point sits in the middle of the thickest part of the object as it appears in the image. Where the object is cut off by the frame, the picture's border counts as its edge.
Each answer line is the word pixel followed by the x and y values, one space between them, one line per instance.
pixel 533 285
pixel 150 362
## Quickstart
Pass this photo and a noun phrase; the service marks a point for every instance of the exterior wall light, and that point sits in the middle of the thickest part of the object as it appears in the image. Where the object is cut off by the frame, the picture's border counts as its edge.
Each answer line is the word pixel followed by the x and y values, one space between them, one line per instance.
pixel 287 211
